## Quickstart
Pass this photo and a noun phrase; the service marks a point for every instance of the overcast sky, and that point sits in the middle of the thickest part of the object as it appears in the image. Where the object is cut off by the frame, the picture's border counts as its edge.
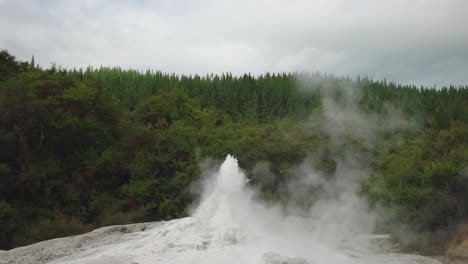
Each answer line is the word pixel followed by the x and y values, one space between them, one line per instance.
pixel 410 41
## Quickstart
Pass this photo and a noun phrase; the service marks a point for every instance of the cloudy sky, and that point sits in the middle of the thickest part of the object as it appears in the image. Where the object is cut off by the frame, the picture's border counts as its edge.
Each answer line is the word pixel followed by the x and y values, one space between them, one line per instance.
pixel 410 41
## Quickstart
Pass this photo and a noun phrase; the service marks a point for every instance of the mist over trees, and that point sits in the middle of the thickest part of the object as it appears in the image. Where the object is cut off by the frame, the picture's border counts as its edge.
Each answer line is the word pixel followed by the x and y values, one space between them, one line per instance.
pixel 94 147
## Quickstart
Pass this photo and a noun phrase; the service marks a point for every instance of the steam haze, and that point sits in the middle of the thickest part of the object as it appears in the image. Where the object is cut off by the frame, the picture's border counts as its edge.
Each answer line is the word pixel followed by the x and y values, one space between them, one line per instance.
pixel 415 42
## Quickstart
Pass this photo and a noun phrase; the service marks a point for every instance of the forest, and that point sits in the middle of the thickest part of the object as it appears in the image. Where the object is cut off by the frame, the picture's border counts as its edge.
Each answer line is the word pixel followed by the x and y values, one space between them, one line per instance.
pixel 84 148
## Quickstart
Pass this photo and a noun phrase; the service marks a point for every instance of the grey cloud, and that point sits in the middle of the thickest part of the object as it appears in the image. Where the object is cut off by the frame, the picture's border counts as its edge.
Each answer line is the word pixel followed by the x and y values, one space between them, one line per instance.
pixel 420 42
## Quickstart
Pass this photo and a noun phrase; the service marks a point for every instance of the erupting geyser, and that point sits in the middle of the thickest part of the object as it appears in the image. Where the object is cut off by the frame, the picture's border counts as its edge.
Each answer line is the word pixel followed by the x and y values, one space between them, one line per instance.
pixel 229 226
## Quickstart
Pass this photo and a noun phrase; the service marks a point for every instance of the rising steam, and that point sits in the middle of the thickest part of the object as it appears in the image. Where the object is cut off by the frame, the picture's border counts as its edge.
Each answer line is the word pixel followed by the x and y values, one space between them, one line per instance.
pixel 231 226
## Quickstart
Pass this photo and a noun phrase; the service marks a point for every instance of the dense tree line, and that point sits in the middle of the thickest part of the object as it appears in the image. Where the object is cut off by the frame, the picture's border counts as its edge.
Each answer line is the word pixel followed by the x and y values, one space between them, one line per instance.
pixel 87 148
pixel 271 96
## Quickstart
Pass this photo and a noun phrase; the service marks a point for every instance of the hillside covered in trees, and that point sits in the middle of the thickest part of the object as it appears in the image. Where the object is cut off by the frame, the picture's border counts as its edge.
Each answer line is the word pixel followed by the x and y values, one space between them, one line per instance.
pixel 92 147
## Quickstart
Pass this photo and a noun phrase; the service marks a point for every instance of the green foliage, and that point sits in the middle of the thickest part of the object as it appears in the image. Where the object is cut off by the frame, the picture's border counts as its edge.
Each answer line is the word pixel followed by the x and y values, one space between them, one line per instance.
pixel 9 66
pixel 272 96
pixel 7 221
pixel 425 176
pixel 162 110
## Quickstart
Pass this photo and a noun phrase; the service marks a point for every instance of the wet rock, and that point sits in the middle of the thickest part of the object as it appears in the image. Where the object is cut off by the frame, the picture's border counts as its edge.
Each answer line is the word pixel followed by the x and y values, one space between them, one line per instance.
pixel 273 258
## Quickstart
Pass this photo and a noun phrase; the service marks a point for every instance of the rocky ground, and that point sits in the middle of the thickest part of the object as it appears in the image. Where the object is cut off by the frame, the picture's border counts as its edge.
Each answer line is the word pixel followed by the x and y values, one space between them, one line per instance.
pixel 78 249
pixel 47 251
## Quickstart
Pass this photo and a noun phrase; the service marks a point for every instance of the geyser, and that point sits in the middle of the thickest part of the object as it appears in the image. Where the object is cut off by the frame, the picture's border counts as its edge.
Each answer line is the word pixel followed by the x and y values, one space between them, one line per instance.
pixel 229 226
